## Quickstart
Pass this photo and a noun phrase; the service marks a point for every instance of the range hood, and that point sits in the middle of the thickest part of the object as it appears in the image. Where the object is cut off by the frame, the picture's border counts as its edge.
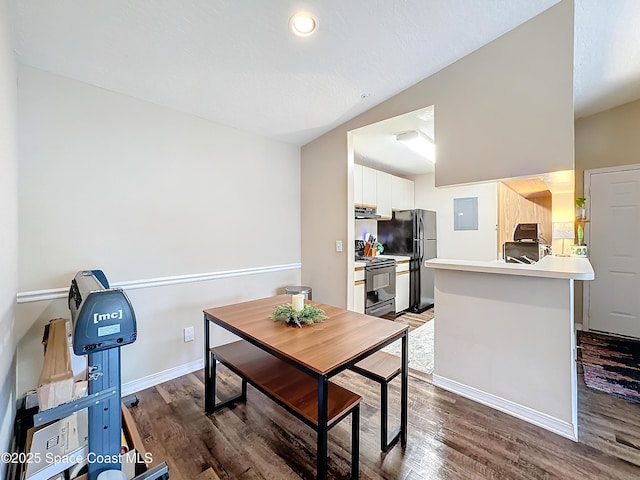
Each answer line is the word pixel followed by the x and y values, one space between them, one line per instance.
pixel 366 212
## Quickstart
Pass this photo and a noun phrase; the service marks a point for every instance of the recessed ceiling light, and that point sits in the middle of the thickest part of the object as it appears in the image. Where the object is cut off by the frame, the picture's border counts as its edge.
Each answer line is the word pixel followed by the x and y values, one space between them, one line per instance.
pixel 303 24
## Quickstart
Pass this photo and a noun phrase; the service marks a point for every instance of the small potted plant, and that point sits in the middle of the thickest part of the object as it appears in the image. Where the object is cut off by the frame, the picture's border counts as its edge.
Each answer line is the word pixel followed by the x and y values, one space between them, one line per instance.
pixel 581 212
pixel 580 249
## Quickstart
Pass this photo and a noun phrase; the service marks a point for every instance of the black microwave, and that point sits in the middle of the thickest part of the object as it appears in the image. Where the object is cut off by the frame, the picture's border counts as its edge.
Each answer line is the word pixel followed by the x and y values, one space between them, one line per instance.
pixel 526 231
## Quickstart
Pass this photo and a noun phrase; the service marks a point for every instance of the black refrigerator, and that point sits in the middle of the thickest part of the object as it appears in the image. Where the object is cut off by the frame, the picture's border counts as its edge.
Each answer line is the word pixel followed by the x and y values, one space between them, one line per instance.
pixel 412 233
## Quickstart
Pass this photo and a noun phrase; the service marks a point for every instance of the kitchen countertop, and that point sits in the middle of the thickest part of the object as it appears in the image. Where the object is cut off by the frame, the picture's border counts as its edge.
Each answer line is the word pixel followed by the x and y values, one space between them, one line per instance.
pixel 550 266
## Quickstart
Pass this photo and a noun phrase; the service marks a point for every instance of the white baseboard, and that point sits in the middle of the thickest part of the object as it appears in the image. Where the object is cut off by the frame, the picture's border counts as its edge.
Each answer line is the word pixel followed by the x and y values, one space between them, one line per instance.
pixel 527 414
pixel 157 378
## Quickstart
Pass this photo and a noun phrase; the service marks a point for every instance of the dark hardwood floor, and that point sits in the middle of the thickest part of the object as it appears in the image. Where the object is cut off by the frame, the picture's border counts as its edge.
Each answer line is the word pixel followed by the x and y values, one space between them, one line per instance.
pixel 450 437
pixel 415 320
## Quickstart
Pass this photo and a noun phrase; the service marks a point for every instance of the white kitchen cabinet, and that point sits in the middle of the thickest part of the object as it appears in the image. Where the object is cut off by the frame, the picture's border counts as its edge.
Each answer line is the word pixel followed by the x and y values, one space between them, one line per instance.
pixel 369 187
pixel 402 286
pixel 358 299
pixel 383 181
pixel 402 193
pixel 357 184
pixel 402 291
pixel 382 190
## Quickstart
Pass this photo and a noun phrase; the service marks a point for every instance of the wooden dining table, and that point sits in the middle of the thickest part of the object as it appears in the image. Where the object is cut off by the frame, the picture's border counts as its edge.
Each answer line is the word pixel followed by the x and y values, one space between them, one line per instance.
pixel 322 350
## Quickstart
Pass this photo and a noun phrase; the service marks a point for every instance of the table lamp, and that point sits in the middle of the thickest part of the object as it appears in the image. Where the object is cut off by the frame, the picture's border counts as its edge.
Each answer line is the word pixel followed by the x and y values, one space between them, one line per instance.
pixel 563 231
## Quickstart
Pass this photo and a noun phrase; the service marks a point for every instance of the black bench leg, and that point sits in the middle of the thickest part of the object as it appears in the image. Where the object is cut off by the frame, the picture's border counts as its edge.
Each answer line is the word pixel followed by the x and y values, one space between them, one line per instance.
pixel 223 403
pixel 385 442
pixel 355 442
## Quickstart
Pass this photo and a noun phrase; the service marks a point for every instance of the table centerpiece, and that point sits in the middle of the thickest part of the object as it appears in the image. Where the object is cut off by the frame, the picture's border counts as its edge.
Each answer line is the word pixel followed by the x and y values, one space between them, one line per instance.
pixel 298 313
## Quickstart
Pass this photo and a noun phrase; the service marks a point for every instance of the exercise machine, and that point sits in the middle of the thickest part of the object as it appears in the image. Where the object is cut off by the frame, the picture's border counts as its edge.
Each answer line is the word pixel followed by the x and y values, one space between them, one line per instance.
pixel 103 322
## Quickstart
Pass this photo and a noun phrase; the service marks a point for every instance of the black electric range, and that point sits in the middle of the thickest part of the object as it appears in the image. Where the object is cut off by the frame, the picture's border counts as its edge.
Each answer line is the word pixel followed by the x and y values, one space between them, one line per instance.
pixel 380 284
pixel 376 261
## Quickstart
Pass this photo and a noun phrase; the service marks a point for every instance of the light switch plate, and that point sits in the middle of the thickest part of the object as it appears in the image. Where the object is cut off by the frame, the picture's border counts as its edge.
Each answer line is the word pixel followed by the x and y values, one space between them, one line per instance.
pixel 338 245
pixel 188 334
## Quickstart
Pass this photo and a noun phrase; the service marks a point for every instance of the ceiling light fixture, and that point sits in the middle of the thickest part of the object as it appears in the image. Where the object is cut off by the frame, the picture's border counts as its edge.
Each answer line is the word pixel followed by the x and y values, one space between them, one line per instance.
pixel 419 143
pixel 303 24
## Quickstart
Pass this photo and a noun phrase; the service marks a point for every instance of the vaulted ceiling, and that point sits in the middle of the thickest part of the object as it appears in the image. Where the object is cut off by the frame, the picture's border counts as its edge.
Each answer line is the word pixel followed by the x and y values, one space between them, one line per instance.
pixel 235 62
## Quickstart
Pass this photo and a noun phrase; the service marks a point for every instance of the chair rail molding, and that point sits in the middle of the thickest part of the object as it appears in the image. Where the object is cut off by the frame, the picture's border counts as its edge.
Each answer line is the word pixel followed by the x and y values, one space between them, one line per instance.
pixel 51 294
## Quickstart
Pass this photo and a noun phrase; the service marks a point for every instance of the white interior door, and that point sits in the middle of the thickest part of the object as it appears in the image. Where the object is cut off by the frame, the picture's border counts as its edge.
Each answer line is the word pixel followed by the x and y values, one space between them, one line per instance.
pixel 614 251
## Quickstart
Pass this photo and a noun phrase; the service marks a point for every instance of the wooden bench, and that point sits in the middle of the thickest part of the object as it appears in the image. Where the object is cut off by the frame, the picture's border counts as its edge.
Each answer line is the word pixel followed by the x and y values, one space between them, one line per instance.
pixel 381 367
pixel 289 387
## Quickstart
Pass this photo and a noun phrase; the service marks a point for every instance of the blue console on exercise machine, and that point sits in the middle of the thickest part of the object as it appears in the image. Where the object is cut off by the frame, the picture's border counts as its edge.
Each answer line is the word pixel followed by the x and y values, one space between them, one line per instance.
pixel 103 317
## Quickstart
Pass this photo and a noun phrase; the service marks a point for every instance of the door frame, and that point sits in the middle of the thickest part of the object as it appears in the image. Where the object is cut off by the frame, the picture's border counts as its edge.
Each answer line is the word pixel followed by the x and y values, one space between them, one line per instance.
pixel 586 286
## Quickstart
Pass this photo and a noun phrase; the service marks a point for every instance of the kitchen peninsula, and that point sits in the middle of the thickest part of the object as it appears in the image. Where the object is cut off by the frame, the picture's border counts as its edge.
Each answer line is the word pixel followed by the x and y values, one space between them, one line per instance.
pixel 505 336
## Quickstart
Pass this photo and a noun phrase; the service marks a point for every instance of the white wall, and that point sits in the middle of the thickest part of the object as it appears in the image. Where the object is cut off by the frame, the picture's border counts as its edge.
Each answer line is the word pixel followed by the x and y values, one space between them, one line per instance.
pixel 494 83
pixel 327 216
pixel 510 104
pixel 497 343
pixel 607 139
pixel 8 232
pixel 470 244
pixel 162 313
pixel 141 192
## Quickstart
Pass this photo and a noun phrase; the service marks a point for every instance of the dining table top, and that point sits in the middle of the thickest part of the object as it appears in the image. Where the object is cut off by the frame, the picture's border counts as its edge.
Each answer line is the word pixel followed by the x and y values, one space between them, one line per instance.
pixel 322 347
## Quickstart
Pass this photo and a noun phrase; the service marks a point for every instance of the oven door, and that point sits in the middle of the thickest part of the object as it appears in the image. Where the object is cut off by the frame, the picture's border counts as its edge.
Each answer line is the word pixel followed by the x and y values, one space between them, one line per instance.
pixel 380 283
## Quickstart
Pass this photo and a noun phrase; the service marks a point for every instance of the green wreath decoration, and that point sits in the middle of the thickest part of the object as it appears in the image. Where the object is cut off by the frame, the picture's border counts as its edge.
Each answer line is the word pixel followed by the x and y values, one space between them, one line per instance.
pixel 308 315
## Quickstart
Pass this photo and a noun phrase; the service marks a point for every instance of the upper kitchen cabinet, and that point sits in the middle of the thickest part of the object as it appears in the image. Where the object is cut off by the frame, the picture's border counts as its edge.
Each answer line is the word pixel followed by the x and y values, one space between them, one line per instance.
pixel 369 187
pixel 385 192
pixel 383 185
pixel 357 184
pixel 402 194
pixel 365 186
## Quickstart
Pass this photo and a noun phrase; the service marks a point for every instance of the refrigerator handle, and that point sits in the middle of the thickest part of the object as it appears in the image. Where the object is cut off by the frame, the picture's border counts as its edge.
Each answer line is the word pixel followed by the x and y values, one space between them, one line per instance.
pixel 420 238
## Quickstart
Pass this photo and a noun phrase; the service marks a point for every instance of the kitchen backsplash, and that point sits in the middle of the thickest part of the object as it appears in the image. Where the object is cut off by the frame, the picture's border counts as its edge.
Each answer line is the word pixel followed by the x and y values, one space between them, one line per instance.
pixel 364 228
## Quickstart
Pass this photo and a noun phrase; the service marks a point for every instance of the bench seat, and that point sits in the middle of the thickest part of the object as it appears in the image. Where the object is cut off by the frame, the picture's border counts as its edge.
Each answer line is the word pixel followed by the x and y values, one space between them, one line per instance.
pixel 381 366
pixel 291 388
pixel 286 384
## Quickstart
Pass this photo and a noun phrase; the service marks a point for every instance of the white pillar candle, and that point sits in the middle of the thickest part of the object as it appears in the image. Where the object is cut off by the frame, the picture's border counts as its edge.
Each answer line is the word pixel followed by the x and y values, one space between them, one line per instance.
pixel 297 301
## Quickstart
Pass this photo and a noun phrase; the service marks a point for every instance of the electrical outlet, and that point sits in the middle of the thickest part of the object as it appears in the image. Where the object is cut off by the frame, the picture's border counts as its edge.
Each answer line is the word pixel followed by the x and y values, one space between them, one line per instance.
pixel 188 334
pixel 338 245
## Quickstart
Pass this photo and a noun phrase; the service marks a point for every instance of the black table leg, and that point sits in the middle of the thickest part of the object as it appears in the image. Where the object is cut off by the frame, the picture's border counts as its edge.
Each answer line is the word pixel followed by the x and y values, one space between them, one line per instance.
pixel 323 403
pixel 209 379
pixel 404 389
